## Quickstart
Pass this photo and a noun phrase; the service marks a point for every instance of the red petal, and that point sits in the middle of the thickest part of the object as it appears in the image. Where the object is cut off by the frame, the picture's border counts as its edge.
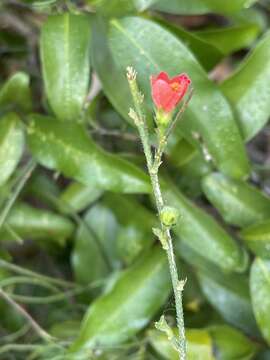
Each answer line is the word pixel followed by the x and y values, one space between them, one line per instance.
pixel 163 96
pixel 161 76
pixel 180 78
pixel 166 96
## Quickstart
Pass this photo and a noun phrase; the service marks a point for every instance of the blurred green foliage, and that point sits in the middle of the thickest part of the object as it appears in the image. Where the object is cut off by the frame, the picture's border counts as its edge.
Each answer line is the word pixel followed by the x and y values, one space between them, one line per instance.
pixel 78 259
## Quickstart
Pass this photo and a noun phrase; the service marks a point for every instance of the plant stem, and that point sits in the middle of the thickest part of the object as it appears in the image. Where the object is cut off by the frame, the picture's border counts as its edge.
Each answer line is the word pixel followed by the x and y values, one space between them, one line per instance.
pixel 29 168
pixel 153 166
pixel 42 333
pixel 177 285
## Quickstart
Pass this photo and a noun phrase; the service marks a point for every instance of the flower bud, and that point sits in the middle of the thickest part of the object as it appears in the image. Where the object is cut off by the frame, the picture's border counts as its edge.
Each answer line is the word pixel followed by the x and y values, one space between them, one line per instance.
pixel 166 92
pixel 163 118
pixel 169 216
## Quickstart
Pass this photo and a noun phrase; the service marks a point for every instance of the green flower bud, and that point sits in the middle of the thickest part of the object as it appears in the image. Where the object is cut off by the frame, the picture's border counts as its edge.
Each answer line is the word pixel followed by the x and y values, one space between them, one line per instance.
pixel 169 216
pixel 163 118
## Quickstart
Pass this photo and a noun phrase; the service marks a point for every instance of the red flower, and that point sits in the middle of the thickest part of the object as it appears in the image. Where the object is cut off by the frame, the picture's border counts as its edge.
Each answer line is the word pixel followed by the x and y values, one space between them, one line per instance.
pixel 167 93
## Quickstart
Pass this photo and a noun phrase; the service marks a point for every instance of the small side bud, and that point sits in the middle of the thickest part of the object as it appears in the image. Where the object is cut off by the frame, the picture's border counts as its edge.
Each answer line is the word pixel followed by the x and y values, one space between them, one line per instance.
pixel 163 326
pixel 162 238
pixel 133 115
pixel 169 216
pixel 181 284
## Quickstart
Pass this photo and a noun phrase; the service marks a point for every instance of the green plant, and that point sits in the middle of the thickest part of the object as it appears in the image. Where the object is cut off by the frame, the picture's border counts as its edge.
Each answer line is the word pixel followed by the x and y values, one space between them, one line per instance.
pixel 83 266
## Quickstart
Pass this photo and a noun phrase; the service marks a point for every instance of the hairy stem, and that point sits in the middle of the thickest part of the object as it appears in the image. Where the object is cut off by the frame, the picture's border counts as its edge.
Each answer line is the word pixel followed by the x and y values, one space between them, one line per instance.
pixel 153 166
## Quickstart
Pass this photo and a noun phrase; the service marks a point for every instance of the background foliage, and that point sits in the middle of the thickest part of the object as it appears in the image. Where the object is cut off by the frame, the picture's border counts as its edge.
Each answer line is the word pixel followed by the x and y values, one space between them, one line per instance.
pixel 81 274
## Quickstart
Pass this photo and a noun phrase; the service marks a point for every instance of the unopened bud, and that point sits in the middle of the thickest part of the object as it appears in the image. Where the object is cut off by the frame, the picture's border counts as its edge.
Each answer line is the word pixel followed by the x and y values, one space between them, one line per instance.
pixel 163 118
pixel 169 216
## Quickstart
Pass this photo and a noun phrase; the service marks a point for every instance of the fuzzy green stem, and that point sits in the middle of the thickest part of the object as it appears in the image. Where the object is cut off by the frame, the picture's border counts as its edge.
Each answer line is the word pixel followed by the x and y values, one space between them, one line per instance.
pixel 153 167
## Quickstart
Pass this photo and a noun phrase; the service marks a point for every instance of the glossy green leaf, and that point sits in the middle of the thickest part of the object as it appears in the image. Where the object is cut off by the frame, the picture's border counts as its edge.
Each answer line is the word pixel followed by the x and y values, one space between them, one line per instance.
pixel 95 244
pixel 232 344
pixel 109 235
pixel 199 345
pixel 129 305
pixel 260 294
pixel 135 232
pixel 151 49
pixel 196 7
pixel 257 238
pixel 253 15
pixel 29 222
pixel 70 150
pixel 11 145
pixel 77 197
pixel 122 7
pixel 239 203
pixel 229 295
pixel 16 91
pixel 182 153
pixel 189 176
pixel 65 330
pixel 102 60
pixel 65 58
pixel 207 54
pixel 200 231
pixel 228 40
pixel 43 187
pixel 225 292
pixel 247 89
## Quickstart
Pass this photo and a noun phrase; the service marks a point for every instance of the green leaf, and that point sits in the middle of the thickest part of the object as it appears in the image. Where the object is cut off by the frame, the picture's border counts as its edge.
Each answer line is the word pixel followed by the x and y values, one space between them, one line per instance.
pixel 43 187
pixel 129 305
pixel 257 238
pixel 69 149
pixel 182 153
pixel 232 344
pixel 114 82
pixel 16 91
pixel 150 49
pixel 197 7
pixel 221 289
pixel 95 244
pixel 199 345
pixel 109 235
pixel 65 54
pixel 135 232
pixel 65 330
pixel 225 292
pixel 260 295
pixel 229 295
pixel 201 232
pixel 11 145
pixel 239 203
pixel 189 175
pixel 207 54
pixel 247 89
pixel 29 222
pixel 77 197
pixel 228 40
pixel 11 319
pixel 253 15
pixel 114 8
